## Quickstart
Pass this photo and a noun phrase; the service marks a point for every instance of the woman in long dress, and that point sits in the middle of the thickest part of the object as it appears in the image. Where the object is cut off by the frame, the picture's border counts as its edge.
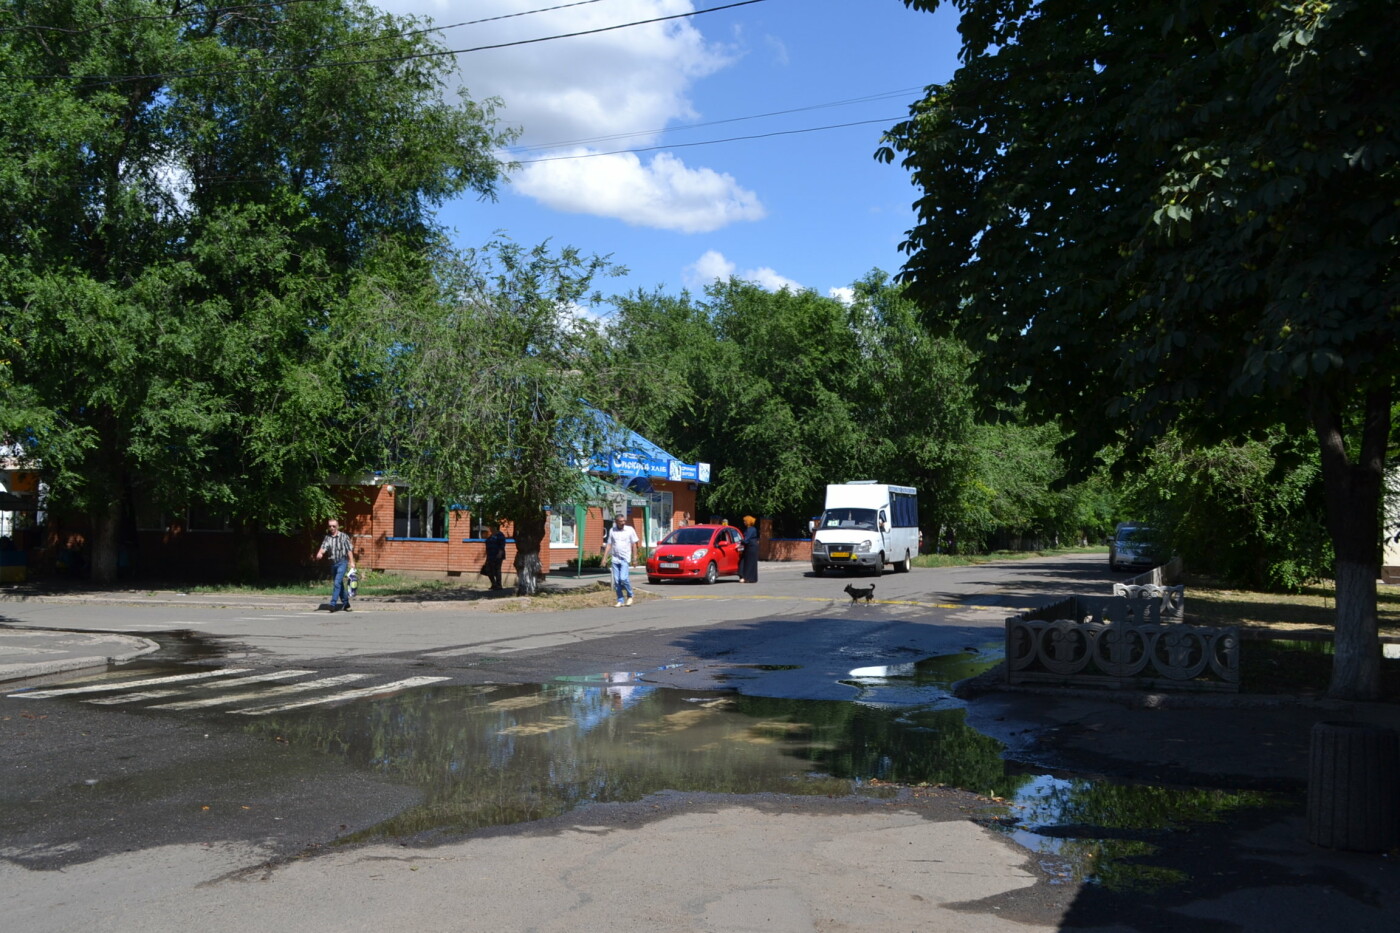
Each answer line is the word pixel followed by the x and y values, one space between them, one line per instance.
pixel 748 565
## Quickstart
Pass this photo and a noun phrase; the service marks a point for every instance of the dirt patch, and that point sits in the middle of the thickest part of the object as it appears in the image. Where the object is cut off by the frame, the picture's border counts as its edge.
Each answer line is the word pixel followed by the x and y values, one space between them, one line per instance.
pixel 597 596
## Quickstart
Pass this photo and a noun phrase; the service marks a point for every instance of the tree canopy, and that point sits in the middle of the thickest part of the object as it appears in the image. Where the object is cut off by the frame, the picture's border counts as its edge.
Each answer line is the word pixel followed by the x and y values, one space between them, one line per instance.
pixel 784 392
pixel 190 194
pixel 488 368
pixel 1142 214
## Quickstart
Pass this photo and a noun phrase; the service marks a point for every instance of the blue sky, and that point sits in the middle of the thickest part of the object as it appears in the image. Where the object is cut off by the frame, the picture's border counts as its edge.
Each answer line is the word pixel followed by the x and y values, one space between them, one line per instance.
pixel 807 209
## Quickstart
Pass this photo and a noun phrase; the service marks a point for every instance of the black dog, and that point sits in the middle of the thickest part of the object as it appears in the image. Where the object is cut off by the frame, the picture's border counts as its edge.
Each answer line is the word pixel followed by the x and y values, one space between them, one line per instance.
pixel 858 593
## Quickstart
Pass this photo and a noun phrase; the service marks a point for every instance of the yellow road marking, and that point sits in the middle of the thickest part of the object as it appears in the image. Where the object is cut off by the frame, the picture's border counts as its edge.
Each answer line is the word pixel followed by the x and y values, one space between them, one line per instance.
pixel 1009 610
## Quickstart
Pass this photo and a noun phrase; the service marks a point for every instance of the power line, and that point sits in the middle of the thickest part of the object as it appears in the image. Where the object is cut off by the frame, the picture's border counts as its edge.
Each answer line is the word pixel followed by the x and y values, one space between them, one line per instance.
pixel 407 33
pixel 95 80
pixel 196 12
pixel 547 147
pixel 710 142
pixel 185 14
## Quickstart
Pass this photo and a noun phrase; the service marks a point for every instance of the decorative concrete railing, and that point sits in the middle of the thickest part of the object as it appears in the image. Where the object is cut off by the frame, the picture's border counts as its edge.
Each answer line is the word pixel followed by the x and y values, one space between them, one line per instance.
pixel 1119 642
pixel 1173 598
pixel 1165 575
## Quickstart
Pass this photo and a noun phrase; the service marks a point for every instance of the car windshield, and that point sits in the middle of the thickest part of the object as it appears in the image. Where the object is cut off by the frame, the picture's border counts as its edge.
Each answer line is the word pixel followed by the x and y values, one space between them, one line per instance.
pixel 860 519
pixel 1137 534
pixel 689 536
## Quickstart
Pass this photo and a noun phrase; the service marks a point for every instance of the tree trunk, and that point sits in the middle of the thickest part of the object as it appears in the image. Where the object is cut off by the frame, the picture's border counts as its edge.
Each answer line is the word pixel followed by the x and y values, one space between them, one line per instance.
pixel 1354 496
pixel 106 525
pixel 245 550
pixel 530 530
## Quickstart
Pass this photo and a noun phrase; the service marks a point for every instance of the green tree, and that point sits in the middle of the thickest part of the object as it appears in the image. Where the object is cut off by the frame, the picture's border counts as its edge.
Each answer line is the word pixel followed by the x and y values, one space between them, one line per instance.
pixel 190 193
pixel 784 392
pixel 484 389
pixel 1157 213
pixel 1248 511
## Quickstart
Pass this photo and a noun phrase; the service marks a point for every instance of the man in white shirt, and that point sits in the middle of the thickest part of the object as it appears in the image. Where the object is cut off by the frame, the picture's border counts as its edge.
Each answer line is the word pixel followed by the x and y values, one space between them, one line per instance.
pixel 621 549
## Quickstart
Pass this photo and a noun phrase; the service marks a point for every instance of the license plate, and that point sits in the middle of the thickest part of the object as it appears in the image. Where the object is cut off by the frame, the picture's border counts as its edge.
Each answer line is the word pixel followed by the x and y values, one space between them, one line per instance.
pixel 841 555
pixel 666 566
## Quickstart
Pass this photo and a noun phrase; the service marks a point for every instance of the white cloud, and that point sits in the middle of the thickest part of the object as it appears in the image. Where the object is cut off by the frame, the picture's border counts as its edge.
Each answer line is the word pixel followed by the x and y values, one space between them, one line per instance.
pixel 778 48
pixel 708 268
pixel 846 295
pixel 714 266
pixel 576 94
pixel 665 193
pixel 771 281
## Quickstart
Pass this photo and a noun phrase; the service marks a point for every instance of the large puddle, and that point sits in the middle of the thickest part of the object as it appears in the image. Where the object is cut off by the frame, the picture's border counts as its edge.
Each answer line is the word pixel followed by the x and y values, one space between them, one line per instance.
pixel 502 754
pixel 499 754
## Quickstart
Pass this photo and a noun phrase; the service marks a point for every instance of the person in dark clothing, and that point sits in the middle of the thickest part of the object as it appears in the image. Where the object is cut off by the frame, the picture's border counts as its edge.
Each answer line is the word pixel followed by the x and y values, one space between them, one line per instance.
pixel 495 556
pixel 748 563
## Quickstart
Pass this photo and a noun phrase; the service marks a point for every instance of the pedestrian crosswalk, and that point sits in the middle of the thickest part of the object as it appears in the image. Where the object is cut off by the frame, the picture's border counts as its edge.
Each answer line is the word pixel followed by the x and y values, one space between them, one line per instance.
pixel 215 689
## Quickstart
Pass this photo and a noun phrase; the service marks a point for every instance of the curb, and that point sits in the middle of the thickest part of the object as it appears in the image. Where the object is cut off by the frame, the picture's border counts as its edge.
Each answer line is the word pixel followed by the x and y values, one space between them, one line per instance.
pixel 27 670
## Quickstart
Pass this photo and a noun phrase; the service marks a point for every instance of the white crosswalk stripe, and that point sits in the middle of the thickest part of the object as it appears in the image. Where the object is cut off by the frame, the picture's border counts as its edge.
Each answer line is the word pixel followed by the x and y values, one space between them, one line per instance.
pixel 344 695
pixel 223 681
pixel 220 685
pixel 134 697
pixel 261 694
pixel 129 684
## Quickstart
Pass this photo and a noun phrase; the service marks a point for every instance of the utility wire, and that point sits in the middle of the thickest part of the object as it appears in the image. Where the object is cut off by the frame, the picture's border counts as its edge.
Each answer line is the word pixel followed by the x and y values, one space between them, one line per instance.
pixel 95 80
pixel 709 142
pixel 190 13
pixel 213 181
pixel 549 147
pixel 202 11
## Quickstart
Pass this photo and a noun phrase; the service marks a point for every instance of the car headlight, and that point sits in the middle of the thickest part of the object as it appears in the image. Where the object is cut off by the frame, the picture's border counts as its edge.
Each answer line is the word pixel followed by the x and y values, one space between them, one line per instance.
pixel 818 547
pixel 863 547
pixel 700 553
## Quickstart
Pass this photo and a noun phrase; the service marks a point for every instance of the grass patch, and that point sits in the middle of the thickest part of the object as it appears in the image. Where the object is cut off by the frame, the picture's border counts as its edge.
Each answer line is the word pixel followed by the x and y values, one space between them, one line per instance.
pixel 371 584
pixel 1289 645
pixel 1314 609
pixel 399 588
pixel 968 560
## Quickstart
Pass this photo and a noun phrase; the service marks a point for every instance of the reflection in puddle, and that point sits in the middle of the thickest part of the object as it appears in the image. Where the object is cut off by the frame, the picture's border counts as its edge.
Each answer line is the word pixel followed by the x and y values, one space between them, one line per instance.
pixel 922 683
pixel 498 754
pixel 1102 832
pixel 487 756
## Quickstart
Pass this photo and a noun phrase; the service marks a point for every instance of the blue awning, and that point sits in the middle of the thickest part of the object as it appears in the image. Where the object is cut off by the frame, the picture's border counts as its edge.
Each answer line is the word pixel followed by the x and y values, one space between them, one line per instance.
pixel 630 454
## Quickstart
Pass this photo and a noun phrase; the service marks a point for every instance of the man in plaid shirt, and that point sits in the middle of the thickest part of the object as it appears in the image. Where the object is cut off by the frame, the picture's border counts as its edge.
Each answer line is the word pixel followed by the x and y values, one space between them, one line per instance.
pixel 336 545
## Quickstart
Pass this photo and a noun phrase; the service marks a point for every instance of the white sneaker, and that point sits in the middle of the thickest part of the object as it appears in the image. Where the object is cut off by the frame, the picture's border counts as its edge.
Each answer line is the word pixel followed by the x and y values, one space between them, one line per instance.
pixel 619 604
pixel 629 600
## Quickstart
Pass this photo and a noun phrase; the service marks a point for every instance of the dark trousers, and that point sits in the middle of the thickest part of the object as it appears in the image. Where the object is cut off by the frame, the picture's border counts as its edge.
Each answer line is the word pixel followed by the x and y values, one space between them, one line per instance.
pixel 492 571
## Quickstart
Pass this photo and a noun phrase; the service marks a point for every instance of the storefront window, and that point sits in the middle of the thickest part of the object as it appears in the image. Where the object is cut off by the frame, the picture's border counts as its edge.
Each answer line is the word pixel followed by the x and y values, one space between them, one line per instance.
pixel 662 510
pixel 418 518
pixel 563 530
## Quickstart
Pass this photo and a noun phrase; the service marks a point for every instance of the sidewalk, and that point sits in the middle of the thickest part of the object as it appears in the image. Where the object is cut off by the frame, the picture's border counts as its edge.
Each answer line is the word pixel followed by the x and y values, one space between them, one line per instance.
pixel 27 653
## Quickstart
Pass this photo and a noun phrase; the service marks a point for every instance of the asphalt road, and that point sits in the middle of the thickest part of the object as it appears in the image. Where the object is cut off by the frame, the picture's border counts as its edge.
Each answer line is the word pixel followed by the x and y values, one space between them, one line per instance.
pixel 119 817
pixel 926 610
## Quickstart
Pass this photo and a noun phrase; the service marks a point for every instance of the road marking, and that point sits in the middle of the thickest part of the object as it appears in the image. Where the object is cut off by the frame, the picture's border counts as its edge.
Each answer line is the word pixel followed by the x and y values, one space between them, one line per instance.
pixel 258 678
pixel 129 684
pixel 345 695
pixel 227 699
pixel 837 599
pixel 134 697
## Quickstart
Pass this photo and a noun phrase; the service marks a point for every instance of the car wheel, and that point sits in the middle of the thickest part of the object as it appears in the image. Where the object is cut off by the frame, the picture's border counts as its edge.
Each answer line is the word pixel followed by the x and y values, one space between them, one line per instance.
pixel 903 566
pixel 817 571
pixel 711 573
pixel 653 580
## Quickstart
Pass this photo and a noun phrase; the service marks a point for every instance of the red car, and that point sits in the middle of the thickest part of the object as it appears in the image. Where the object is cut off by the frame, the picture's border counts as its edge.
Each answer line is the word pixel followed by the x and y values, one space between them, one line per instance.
pixel 696 552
